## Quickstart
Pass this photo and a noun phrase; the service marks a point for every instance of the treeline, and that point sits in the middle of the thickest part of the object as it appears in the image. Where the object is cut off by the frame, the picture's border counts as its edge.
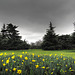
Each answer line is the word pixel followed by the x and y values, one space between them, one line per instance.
pixel 51 41
pixel 36 45
pixel 10 39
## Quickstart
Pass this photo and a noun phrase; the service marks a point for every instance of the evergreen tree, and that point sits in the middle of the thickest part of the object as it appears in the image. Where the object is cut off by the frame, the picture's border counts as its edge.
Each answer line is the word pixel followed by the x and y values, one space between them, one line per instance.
pixel 50 39
pixel 12 33
pixel 65 41
pixel 73 40
pixel 3 31
pixel 11 39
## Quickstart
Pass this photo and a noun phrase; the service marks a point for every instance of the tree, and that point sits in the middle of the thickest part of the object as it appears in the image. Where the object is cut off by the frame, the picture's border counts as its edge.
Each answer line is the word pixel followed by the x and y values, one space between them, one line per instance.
pixel 65 41
pixel 0 41
pixel 13 36
pixel 36 45
pixel 73 40
pixel 11 39
pixel 50 39
pixel 3 31
pixel 12 33
pixel 32 46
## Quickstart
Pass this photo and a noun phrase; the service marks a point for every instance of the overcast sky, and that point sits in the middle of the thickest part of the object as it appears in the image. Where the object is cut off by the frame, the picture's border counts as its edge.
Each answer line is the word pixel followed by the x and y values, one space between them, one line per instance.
pixel 33 16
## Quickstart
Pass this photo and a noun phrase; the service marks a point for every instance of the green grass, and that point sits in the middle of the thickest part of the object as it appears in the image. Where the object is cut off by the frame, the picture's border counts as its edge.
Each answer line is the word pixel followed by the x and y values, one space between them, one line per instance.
pixel 68 53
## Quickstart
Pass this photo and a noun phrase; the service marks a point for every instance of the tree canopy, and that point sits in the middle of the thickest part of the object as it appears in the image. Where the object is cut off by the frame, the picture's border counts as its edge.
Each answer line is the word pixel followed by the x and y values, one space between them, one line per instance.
pixel 10 38
pixel 49 39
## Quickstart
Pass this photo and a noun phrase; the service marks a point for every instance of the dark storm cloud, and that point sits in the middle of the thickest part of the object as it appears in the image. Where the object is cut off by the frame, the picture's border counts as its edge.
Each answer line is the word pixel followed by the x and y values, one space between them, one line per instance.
pixel 34 15
pixel 35 11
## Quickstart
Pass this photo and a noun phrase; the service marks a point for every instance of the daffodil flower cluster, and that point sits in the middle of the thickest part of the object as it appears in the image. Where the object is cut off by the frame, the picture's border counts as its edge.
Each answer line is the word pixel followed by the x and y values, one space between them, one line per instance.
pixel 25 64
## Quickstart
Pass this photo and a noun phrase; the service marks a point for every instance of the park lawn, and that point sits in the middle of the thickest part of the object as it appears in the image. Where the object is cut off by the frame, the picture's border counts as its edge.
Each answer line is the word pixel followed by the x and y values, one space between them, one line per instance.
pixel 66 53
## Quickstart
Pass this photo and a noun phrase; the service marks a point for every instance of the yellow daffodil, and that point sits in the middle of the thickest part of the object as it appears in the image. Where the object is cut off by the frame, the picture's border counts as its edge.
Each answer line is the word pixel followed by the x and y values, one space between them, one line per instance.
pixel 50 55
pixel 43 67
pixel 20 56
pixel 64 58
pixel 65 71
pixel 30 62
pixel 12 53
pixel 33 54
pixel 14 69
pixel 5 54
pixel 22 63
pixel 1 54
pixel 14 61
pixel 57 64
pixel 38 55
pixel 22 52
pixel 13 57
pixel 26 58
pixel 36 66
pixel 19 71
pixel 4 64
pixel 66 65
pixel 51 72
pixel 10 70
pixel 2 60
pixel 33 60
pixel 55 54
pixel 8 58
pixel 42 59
pixel 26 52
pixel 70 68
pixel 6 70
pixel 23 60
pixel 7 61
pixel 47 67
pixel 57 58
pixel 61 54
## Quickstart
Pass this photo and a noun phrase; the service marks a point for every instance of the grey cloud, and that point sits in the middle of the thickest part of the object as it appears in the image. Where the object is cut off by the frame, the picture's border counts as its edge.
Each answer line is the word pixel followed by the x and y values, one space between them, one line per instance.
pixel 34 15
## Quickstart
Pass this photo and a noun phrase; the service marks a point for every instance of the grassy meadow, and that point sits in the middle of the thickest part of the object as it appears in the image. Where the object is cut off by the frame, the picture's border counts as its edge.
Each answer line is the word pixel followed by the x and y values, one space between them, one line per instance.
pixel 37 62
pixel 68 53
